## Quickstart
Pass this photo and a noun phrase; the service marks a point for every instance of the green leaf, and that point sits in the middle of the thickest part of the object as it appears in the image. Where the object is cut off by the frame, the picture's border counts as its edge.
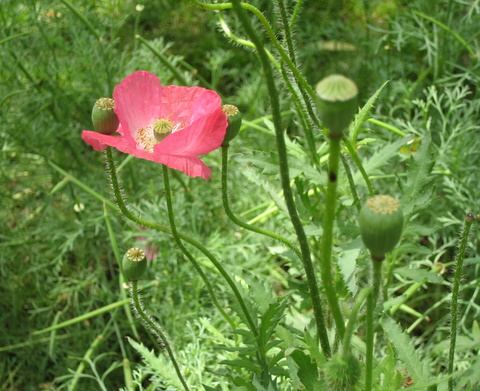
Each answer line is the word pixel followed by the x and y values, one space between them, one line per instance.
pixel 419 275
pixel 347 262
pixel 403 345
pixel 160 364
pixel 470 377
pixel 363 115
pixel 379 159
pixel 418 190
pixel 302 369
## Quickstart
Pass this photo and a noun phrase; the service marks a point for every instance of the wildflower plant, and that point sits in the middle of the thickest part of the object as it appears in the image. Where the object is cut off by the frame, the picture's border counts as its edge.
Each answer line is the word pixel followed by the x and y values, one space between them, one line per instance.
pixel 297 263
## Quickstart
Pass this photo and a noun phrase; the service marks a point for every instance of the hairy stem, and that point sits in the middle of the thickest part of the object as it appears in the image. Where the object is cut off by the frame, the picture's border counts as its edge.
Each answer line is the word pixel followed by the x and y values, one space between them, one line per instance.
pixel 285 179
pixel 371 304
pixel 236 220
pixel 191 258
pixel 327 239
pixel 154 328
pixel 129 215
pixel 455 291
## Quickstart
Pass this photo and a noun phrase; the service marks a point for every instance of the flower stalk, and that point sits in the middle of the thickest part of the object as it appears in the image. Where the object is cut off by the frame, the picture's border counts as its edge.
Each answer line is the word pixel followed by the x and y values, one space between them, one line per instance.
pixel 462 247
pixel 154 328
pixel 285 178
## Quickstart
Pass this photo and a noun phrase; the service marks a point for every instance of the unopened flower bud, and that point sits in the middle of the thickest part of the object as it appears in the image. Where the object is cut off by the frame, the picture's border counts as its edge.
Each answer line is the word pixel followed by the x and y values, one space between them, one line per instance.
pixel 343 373
pixel 381 224
pixel 337 103
pixel 104 119
pixel 234 123
pixel 134 264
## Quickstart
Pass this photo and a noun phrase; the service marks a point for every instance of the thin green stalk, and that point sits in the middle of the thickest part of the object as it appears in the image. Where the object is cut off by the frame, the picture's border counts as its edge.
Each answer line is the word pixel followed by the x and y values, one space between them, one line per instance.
pixel 82 185
pixel 81 318
pixel 351 183
pixel 81 367
pixel 448 30
pixel 352 320
pixel 295 13
pixel 271 35
pixel 469 218
pixel 306 101
pixel 191 258
pixel 285 180
pixel 121 277
pixel 154 327
pixel 244 42
pixel 371 304
pixel 80 16
pixel 165 61
pixel 327 239
pixel 122 207
pixel 236 220
pixel 353 153
pixel 389 127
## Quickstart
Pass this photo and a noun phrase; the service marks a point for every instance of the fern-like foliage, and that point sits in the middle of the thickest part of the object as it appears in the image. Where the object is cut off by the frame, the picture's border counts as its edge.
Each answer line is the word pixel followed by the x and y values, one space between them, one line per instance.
pixel 418 191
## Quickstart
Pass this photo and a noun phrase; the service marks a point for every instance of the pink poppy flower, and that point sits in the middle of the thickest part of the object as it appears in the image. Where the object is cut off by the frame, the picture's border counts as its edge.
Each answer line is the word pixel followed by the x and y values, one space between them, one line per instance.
pixel 171 125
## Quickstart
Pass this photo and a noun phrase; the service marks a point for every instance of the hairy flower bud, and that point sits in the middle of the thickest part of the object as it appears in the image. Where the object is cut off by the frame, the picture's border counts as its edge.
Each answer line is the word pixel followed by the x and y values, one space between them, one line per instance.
pixel 134 264
pixel 381 224
pixel 337 103
pixel 343 373
pixel 104 119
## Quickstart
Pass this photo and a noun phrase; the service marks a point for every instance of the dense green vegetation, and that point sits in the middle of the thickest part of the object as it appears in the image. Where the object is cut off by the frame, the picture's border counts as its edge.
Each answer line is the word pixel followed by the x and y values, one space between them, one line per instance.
pixel 62 237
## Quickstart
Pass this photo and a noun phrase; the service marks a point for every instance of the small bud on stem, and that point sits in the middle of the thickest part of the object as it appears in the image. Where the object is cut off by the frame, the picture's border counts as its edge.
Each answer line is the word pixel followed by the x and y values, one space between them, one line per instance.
pixel 104 119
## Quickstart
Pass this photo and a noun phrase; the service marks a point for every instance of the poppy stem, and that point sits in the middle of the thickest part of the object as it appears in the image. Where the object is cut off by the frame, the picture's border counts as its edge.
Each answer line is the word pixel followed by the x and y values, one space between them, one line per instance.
pixel 243 224
pixel 154 328
pixel 285 179
pixel 370 325
pixel 327 239
pixel 469 218
pixel 191 258
pixel 137 220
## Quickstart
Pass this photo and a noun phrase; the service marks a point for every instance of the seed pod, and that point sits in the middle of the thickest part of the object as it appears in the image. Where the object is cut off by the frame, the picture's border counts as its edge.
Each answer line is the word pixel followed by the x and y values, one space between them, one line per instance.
pixel 234 123
pixel 337 103
pixel 381 224
pixel 134 264
pixel 104 119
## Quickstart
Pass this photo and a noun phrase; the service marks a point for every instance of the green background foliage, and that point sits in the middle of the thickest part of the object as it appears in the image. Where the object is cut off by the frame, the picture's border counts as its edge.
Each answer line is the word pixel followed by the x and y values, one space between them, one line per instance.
pixel 57 260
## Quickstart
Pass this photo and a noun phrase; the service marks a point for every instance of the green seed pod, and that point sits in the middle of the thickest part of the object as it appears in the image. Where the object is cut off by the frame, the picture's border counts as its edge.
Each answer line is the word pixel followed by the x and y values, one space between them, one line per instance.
pixel 104 119
pixel 343 373
pixel 381 224
pixel 337 103
pixel 234 123
pixel 134 264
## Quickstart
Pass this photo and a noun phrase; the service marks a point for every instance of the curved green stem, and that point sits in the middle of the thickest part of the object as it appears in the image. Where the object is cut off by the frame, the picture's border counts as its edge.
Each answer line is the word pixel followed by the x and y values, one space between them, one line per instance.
pixel 456 288
pixel 271 35
pixel 129 215
pixel 353 153
pixel 154 327
pixel 327 239
pixel 236 220
pixel 191 258
pixel 353 319
pixel 371 304
pixel 295 13
pixel 285 179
